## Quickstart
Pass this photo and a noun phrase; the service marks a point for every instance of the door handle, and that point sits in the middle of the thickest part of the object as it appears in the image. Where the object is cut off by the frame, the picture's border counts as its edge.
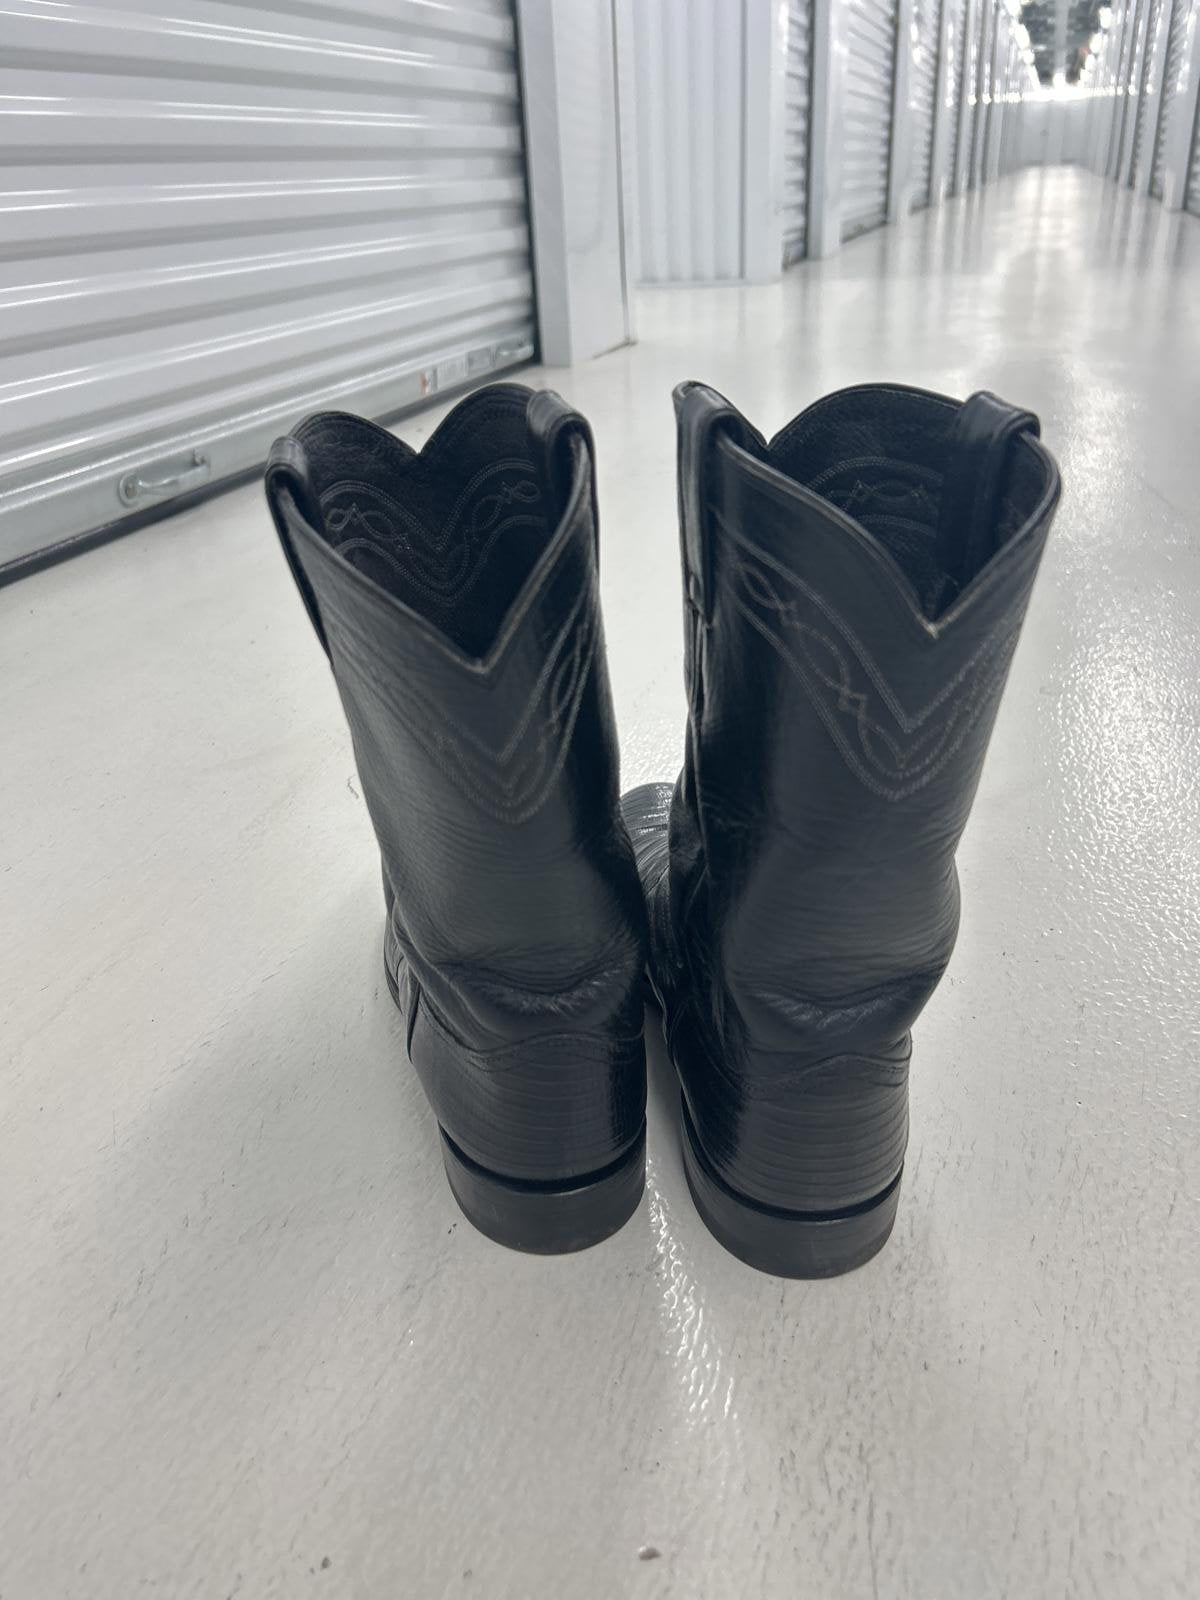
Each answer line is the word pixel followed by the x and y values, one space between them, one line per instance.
pixel 161 479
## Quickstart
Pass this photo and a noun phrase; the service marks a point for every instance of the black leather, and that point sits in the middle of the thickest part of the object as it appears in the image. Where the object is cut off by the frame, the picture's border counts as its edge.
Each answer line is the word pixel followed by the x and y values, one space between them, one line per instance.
pixel 854 590
pixel 455 592
pixel 977 454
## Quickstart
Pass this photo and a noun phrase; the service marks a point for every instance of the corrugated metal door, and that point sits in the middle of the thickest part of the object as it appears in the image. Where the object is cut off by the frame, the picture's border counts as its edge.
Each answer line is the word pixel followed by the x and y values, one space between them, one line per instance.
pixel 1016 110
pixel 1191 199
pixel 1115 41
pixel 1008 118
pixel 1176 39
pixel 1125 83
pixel 927 16
pixel 1101 108
pixel 1134 86
pixel 964 73
pixel 870 74
pixel 951 81
pixel 994 110
pixel 1114 54
pixel 796 106
pixel 983 93
pixel 1145 87
pixel 219 215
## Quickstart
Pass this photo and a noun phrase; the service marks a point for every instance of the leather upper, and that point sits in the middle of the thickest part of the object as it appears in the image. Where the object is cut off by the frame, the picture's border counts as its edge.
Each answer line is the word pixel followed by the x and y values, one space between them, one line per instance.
pixel 854 592
pixel 456 594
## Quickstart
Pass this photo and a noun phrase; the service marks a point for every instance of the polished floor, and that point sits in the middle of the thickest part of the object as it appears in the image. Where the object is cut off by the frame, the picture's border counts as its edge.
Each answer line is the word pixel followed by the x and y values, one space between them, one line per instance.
pixel 248 1347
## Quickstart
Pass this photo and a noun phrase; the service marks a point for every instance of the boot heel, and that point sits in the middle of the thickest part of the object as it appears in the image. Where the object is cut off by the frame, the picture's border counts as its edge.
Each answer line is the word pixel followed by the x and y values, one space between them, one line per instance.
pixel 547 1218
pixel 788 1244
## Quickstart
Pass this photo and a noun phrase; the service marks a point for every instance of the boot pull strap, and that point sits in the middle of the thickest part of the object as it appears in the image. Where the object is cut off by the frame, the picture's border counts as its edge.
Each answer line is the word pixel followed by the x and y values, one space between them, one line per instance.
pixel 977 451
pixel 553 425
pixel 702 414
pixel 287 471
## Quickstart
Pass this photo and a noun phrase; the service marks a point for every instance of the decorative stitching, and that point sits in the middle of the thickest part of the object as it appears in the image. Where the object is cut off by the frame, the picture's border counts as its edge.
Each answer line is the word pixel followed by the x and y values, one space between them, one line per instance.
pixel 444 563
pixel 890 499
pixel 510 783
pixel 893 764
pixel 889 476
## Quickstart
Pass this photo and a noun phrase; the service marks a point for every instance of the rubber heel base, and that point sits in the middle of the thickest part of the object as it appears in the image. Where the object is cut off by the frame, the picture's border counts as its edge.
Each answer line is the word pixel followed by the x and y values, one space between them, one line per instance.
pixel 788 1244
pixel 544 1218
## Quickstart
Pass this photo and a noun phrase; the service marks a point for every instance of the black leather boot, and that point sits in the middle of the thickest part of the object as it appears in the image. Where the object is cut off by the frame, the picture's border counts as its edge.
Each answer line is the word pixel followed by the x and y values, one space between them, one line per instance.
pixel 455 594
pixel 854 592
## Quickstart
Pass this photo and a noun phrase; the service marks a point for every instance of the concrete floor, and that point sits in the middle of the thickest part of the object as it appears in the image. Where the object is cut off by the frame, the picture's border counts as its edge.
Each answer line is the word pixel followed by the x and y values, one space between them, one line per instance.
pixel 247 1346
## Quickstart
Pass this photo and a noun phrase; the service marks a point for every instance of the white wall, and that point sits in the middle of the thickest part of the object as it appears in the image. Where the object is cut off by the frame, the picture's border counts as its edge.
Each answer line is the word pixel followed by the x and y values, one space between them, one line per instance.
pixel 1054 131
pixel 688 66
pixel 574 159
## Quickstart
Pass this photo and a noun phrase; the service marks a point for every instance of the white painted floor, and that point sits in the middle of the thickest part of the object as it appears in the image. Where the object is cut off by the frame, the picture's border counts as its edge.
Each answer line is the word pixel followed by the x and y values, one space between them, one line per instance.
pixel 247 1346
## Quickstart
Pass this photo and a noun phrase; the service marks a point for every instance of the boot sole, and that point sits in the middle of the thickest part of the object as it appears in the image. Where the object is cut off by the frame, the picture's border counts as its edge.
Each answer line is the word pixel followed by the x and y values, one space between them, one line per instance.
pixel 547 1218
pixel 787 1244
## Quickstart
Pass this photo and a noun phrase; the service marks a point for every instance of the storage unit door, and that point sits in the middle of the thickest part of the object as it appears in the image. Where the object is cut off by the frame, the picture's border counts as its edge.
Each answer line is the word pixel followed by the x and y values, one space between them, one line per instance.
pixel 1134 91
pixel 964 68
pixel 797 102
pixel 1126 84
pixel 1145 86
pixel 994 111
pixel 870 73
pixel 1008 108
pixel 951 82
pixel 1191 199
pixel 218 216
pixel 1176 39
pixel 983 93
pixel 923 93
pixel 1103 106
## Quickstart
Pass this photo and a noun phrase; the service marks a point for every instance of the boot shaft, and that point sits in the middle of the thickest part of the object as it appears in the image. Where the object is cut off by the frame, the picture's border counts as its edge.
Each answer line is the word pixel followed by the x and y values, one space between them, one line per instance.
pixel 855 593
pixel 455 592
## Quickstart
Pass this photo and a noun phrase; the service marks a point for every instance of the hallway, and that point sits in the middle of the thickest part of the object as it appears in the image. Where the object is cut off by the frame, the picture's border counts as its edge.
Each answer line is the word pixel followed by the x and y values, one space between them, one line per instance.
pixel 231 1256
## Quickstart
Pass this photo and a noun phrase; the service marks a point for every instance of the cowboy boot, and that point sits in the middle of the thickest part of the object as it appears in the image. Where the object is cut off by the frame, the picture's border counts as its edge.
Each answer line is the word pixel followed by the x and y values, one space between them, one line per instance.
pixel 854 592
pixel 455 594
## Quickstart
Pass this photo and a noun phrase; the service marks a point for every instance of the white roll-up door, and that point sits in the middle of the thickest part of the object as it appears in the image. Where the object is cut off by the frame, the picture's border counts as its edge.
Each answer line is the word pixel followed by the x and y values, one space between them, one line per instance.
pixel 1007 108
pixel 1127 90
pixel 1176 39
pixel 216 216
pixel 994 111
pixel 1191 199
pixel 1121 27
pixel 950 81
pixel 927 16
pixel 1116 45
pixel 1146 91
pixel 796 111
pixel 983 93
pixel 1015 113
pixel 1134 87
pixel 968 72
pixel 870 74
